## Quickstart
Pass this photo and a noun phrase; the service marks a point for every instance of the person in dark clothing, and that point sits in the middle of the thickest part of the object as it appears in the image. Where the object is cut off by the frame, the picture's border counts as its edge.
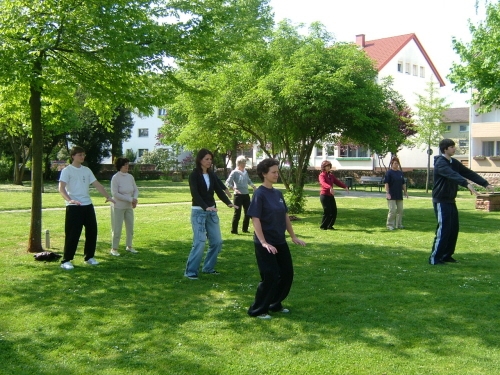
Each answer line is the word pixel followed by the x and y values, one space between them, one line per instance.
pixel 448 174
pixel 268 211
pixel 327 195
pixel 395 187
pixel 204 219
pixel 239 180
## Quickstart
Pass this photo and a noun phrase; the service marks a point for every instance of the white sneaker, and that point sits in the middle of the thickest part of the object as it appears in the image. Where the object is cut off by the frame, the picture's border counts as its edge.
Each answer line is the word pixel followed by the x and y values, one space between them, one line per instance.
pixel 92 261
pixel 264 316
pixel 132 250
pixel 114 252
pixel 67 266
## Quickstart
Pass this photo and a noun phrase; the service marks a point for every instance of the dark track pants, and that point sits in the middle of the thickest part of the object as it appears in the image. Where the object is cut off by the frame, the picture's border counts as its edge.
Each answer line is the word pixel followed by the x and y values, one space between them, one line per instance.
pixel 276 272
pixel 78 217
pixel 446 236
pixel 329 211
pixel 241 200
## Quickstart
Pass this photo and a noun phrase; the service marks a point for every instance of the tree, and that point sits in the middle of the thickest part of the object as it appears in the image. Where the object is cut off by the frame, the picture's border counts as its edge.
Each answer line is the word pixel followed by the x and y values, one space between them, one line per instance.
pixel 117 50
pixel 429 124
pixel 121 130
pixel 478 69
pixel 287 94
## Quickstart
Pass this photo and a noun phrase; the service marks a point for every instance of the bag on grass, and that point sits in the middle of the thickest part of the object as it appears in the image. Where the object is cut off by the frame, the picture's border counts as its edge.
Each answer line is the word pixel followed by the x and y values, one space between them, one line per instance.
pixel 47 256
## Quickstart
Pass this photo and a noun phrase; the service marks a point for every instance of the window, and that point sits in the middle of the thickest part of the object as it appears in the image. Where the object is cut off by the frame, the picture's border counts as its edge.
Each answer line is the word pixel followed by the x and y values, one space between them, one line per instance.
pixel 141 152
pixel 319 151
pixel 407 68
pixel 422 72
pixel 448 128
pixel 463 143
pixel 488 148
pixel 162 111
pixel 400 66
pixel 464 128
pixel 498 148
pixel 353 152
pixel 415 70
pixel 144 133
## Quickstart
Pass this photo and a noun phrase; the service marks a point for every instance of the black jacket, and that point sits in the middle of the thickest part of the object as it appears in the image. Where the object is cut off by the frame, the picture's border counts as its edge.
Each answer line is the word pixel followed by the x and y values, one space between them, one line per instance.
pixel 448 174
pixel 202 196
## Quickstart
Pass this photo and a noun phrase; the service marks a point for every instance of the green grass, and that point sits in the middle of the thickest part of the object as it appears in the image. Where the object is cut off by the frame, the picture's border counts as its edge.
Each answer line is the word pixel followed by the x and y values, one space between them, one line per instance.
pixel 364 300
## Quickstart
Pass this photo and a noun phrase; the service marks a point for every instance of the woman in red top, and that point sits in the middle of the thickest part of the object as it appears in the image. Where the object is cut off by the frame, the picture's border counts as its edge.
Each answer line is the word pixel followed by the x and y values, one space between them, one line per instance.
pixel 327 198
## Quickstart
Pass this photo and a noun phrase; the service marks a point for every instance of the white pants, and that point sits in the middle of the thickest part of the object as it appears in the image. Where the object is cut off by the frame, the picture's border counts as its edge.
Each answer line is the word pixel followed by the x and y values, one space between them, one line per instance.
pixel 118 216
pixel 395 216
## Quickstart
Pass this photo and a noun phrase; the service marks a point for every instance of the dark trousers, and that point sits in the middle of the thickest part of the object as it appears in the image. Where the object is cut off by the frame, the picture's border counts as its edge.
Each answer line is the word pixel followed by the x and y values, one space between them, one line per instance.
pixel 276 273
pixel 446 236
pixel 78 217
pixel 241 200
pixel 329 211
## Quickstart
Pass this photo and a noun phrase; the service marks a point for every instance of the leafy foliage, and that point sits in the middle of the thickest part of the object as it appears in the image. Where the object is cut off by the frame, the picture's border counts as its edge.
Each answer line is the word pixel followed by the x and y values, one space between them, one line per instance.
pixel 429 121
pixel 287 94
pixel 116 50
pixel 478 69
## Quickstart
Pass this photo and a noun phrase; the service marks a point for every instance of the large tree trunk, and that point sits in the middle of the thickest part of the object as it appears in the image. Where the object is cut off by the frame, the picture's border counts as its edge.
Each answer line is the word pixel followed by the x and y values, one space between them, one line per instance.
pixel 35 238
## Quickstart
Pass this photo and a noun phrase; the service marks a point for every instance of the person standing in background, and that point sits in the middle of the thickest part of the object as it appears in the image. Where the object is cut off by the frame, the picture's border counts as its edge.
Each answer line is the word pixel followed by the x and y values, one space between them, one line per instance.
pixel 239 180
pixel 204 219
pixel 327 195
pixel 395 187
pixel 125 194
pixel 74 187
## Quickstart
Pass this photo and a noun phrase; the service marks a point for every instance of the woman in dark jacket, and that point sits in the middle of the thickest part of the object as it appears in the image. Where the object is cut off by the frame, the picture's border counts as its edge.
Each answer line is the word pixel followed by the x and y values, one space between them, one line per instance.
pixel 204 219
pixel 327 198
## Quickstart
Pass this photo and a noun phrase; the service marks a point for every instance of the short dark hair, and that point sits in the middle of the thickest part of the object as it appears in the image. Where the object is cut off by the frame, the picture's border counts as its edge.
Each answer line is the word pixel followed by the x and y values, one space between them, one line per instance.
pixel 199 157
pixel 325 163
pixel 264 166
pixel 445 143
pixel 120 162
pixel 76 150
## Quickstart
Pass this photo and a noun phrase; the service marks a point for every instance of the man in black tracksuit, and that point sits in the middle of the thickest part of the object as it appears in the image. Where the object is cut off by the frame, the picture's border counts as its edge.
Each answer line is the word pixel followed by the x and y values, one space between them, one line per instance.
pixel 448 174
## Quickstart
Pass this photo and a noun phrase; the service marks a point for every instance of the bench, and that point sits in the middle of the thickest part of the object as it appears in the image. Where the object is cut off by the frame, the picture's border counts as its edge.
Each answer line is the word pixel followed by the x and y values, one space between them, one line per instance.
pixel 372 181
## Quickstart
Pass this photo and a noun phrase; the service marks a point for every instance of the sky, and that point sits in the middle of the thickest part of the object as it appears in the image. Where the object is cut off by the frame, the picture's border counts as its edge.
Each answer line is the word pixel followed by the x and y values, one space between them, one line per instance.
pixel 434 22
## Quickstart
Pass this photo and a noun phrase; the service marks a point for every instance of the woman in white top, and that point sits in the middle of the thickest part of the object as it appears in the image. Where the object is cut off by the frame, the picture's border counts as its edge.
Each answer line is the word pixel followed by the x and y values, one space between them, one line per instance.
pixel 125 194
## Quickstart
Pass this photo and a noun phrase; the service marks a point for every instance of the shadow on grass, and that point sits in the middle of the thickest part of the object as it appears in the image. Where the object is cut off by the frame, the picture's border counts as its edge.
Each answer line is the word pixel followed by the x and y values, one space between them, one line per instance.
pixel 137 313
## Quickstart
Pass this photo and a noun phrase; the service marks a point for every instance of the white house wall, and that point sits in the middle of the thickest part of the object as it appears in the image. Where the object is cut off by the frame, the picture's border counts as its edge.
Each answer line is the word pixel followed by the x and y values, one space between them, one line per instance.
pixel 152 124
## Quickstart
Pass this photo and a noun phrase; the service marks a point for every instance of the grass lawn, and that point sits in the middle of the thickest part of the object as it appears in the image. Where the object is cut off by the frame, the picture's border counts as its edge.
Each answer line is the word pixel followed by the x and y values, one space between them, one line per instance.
pixel 364 300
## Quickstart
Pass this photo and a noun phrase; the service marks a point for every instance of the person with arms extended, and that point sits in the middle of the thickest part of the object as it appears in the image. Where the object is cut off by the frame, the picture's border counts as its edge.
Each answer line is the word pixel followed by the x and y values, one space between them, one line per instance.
pixel 448 174
pixel 270 219
pixel 125 194
pixel 74 187
pixel 327 195
pixel 395 187
pixel 239 180
pixel 204 219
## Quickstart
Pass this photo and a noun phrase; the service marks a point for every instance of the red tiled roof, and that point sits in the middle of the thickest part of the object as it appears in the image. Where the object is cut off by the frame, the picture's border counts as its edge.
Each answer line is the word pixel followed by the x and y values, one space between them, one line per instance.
pixel 382 51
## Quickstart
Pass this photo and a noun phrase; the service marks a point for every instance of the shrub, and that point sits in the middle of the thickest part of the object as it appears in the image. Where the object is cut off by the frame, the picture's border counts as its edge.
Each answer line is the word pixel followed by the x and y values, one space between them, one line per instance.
pixel 6 169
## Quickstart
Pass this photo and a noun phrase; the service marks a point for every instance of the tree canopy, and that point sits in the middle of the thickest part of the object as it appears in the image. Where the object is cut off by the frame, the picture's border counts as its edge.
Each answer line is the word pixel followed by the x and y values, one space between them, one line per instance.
pixel 116 50
pixel 287 94
pixel 429 122
pixel 478 69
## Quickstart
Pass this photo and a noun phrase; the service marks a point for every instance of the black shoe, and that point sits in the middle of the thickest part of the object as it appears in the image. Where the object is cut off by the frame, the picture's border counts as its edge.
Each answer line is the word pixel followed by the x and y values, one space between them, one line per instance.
pixel 214 272
pixel 322 228
pixel 331 228
pixel 233 232
pixel 450 260
pixel 245 231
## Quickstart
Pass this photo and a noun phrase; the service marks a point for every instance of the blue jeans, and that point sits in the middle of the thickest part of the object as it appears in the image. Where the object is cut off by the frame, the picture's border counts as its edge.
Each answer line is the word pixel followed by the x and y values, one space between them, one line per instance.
pixel 205 226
